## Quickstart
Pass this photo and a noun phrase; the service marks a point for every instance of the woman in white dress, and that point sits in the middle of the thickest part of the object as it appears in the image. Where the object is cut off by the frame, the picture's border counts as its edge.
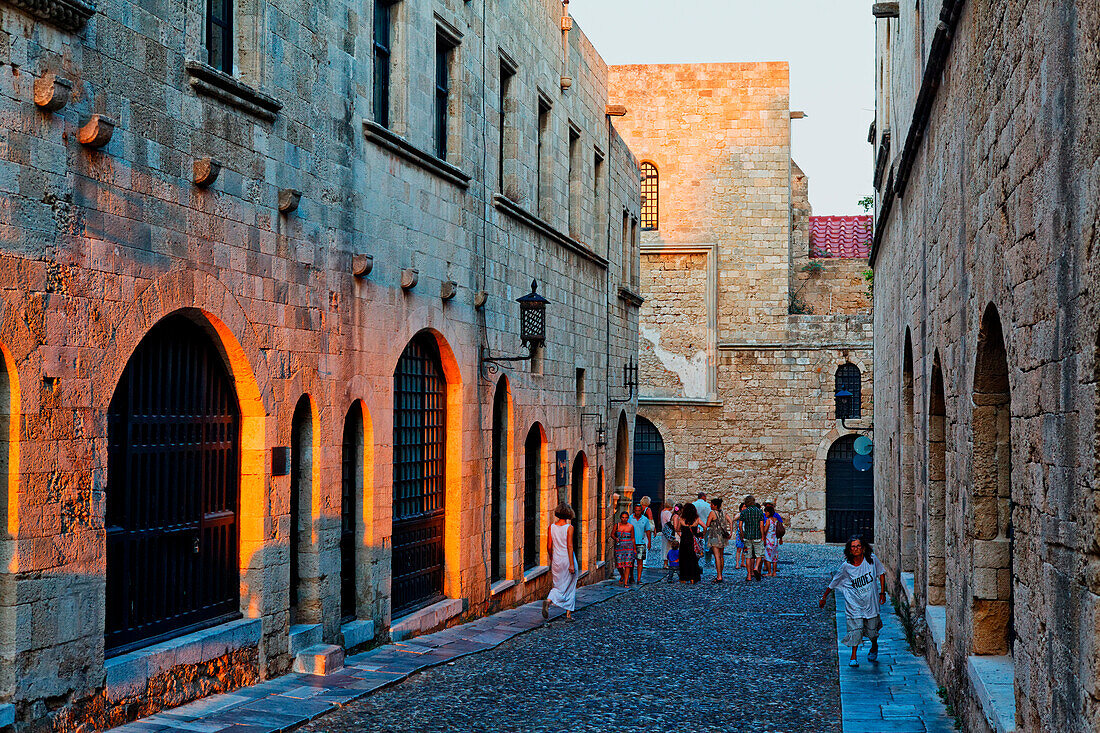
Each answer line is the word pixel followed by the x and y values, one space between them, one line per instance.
pixel 563 564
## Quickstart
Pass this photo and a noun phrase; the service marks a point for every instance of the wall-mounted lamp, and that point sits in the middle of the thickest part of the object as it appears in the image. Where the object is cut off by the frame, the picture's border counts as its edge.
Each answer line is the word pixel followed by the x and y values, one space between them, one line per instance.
pixel 630 382
pixel 532 329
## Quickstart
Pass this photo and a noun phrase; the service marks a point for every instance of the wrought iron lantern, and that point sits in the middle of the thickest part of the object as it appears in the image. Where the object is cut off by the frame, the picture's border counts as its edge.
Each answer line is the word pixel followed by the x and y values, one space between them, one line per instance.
pixel 532 330
pixel 532 315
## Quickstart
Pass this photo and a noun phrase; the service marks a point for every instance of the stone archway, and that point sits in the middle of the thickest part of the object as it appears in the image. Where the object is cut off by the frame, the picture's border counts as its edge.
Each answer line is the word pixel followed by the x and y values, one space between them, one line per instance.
pixel 990 521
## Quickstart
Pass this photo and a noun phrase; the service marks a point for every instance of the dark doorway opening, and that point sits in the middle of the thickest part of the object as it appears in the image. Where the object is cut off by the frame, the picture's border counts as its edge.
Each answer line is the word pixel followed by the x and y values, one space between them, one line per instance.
pixel 849 495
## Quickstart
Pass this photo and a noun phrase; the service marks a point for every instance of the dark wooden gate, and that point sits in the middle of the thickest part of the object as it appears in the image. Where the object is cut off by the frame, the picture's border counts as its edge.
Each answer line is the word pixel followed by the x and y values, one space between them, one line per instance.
pixel 419 432
pixel 173 491
pixel 849 495
pixel 532 483
pixel 500 448
pixel 649 465
pixel 577 501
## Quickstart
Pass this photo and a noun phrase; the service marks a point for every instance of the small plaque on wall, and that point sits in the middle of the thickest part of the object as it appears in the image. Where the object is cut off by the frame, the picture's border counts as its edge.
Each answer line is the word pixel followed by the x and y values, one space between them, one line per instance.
pixel 280 461
pixel 561 469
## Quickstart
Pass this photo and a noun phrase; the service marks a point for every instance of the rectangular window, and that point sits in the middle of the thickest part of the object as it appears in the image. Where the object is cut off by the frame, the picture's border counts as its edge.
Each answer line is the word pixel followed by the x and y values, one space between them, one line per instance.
pixel 444 50
pixel 219 34
pixel 581 399
pixel 542 186
pixel 507 73
pixel 633 249
pixel 383 12
pixel 626 248
pixel 574 201
pixel 597 200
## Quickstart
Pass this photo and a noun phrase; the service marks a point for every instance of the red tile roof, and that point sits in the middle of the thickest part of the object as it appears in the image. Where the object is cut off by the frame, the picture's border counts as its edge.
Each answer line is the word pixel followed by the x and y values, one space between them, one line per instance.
pixel 840 236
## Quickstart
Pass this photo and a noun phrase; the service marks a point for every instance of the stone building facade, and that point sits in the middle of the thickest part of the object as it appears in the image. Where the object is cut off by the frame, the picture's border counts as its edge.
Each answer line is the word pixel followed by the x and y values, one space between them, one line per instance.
pixel 987 167
pixel 742 331
pixel 253 256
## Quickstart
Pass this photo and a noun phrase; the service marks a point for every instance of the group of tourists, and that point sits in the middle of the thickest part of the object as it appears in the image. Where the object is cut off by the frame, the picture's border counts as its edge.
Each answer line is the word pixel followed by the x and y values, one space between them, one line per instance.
pixel 692 531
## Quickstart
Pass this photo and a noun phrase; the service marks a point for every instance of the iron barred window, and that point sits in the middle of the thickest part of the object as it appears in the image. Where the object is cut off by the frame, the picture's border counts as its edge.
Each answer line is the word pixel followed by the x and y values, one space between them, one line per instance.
pixel 351 469
pixel 173 491
pixel 382 12
pixel 848 380
pixel 419 433
pixel 532 484
pixel 219 34
pixel 649 196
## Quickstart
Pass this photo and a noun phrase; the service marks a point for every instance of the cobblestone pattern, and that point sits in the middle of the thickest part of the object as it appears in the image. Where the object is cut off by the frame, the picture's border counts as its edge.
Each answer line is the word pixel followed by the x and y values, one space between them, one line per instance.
pixel 997 225
pixel 666 657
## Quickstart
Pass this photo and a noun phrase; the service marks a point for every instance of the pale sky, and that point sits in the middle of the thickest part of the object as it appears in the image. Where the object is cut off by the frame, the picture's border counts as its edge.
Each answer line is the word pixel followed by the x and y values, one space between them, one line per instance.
pixel 828 43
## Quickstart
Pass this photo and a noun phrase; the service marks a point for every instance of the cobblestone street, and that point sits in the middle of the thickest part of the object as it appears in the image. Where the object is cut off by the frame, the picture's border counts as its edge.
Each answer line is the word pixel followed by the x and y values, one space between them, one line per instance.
pixel 664 657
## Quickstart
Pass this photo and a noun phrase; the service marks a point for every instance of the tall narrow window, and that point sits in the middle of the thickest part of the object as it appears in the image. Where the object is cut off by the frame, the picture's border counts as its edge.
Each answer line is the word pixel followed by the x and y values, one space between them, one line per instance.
pixel 532 486
pixel 581 398
pixel 627 259
pixel 351 484
pixel 574 200
pixel 633 249
pixel 649 196
pixel 849 392
pixel 219 34
pixel 444 51
pixel 382 18
pixel 542 187
pixel 507 74
pixel 598 204
pixel 419 467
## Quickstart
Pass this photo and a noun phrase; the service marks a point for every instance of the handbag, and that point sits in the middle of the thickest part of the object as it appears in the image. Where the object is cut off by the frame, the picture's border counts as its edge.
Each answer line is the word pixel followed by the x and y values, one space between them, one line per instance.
pixel 725 527
pixel 699 552
pixel 668 532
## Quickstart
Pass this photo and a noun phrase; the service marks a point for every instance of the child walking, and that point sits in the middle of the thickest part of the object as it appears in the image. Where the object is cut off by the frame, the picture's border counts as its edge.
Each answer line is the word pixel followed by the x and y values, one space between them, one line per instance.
pixel 856 576
pixel 625 552
pixel 673 559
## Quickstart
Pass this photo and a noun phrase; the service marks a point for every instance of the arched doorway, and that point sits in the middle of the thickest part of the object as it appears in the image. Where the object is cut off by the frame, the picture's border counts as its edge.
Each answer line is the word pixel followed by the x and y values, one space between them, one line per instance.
pixel 301 491
pixel 907 519
pixel 936 575
pixel 649 464
pixel 577 500
pixel 992 578
pixel 534 460
pixel 351 494
pixel 499 483
pixel 849 495
pixel 419 463
pixel 173 493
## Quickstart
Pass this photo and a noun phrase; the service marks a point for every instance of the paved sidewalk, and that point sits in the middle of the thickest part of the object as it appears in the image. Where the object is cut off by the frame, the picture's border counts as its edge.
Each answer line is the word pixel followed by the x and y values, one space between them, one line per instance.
pixel 284 703
pixel 895 695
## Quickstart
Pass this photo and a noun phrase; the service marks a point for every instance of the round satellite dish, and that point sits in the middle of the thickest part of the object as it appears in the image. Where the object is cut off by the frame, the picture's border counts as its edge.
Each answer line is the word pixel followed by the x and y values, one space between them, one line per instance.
pixel 863 445
pixel 861 463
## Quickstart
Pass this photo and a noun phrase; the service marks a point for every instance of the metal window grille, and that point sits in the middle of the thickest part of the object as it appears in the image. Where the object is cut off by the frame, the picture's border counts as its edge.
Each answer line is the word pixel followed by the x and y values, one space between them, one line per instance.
pixel 351 469
pixel 443 52
pixel 299 439
pixel 419 419
pixel 848 379
pixel 500 446
pixel 382 12
pixel 219 34
pixel 173 471
pixel 849 495
pixel 577 500
pixel 532 483
pixel 649 463
pixel 649 196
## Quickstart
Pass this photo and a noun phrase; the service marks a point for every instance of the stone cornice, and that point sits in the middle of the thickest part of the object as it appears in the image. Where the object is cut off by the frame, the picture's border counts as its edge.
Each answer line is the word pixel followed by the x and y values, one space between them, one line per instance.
pixel 522 215
pixel 69 15
pixel 208 81
pixel 391 141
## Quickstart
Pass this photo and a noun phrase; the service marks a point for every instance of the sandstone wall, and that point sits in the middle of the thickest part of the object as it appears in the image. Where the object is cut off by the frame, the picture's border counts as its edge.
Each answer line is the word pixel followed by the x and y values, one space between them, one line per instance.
pixel 997 225
pixel 99 245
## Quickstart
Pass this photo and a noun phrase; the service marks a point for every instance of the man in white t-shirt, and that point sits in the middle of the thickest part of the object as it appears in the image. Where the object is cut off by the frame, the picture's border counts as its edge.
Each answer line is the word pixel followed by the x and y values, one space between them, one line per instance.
pixel 857 577
pixel 703 507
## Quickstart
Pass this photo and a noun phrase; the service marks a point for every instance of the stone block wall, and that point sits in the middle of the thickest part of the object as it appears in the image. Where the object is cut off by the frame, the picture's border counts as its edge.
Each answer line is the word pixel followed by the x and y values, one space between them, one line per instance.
pixel 740 388
pixel 98 245
pixel 986 332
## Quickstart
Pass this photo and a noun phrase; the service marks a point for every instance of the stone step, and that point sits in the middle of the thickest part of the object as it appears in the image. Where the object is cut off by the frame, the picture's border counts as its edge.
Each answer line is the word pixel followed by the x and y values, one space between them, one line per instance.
pixel 320 659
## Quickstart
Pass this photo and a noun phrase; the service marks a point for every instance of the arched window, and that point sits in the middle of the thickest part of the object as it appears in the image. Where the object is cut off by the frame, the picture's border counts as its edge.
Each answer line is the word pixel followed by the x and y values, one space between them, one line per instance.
pixel 649 196
pixel 351 491
pixel 301 484
pixel 849 392
pixel 580 481
pixel 173 492
pixel 499 484
pixel 533 460
pixel 419 420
